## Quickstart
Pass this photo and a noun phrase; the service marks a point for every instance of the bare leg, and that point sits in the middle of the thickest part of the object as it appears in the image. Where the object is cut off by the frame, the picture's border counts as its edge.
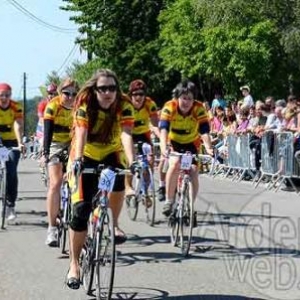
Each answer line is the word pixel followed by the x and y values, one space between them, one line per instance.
pixel 77 239
pixel 171 180
pixel 53 195
pixel 116 204
pixel 195 181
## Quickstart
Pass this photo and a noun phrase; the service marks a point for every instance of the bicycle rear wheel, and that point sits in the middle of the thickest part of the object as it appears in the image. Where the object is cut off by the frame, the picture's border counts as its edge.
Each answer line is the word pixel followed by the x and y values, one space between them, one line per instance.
pixel 186 220
pixel 105 256
pixel 149 202
pixel 3 197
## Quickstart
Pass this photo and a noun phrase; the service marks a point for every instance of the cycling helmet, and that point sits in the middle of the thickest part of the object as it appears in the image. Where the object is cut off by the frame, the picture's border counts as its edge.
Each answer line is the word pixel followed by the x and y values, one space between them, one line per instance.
pixel 52 88
pixel 5 87
pixel 136 85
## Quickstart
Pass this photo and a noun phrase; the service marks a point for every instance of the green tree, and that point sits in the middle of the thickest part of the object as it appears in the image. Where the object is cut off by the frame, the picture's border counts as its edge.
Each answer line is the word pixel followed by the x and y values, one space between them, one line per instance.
pixel 220 44
pixel 123 36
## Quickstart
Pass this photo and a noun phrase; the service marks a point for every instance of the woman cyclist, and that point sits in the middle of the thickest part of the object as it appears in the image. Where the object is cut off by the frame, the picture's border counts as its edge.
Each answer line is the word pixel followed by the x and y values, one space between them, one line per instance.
pixel 51 93
pixel 182 121
pixel 145 112
pixel 103 123
pixel 11 132
pixel 58 119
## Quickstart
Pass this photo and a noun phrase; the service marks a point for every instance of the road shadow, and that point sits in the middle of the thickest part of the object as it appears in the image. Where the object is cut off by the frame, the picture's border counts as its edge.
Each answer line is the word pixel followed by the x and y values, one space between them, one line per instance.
pixel 254 252
pixel 226 216
pixel 210 297
pixel 135 293
pixel 25 223
pixel 33 171
pixel 33 213
pixel 38 197
pixel 172 255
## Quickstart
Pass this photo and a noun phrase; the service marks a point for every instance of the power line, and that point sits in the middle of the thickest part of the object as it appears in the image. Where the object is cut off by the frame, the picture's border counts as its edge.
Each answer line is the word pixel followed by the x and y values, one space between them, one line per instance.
pixel 72 52
pixel 38 20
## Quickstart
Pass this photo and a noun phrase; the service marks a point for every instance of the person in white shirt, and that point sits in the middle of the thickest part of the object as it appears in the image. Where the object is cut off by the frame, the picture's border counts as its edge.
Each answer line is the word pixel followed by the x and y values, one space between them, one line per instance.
pixel 248 100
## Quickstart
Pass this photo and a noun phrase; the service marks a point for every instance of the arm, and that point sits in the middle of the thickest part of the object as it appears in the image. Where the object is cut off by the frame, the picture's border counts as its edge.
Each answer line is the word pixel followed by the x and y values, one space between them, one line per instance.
pixel 154 125
pixel 127 142
pixel 48 134
pixel 80 138
pixel 163 140
pixel 164 132
pixel 18 128
pixel 204 131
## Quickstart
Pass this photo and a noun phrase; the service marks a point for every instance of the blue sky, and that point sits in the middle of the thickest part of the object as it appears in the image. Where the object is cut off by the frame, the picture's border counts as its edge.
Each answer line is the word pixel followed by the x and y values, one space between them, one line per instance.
pixel 27 46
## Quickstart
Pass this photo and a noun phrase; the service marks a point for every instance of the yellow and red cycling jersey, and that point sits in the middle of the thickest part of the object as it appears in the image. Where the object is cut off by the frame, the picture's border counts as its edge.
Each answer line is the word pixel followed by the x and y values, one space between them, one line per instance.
pixel 143 115
pixel 7 118
pixel 184 129
pixel 94 149
pixel 62 118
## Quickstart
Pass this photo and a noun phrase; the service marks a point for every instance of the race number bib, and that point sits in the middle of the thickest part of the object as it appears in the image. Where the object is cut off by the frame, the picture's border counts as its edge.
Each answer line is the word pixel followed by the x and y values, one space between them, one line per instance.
pixel 4 154
pixel 186 161
pixel 107 180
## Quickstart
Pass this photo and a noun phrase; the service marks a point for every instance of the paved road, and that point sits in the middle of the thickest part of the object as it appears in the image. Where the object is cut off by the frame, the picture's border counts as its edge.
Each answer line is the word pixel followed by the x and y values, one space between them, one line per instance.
pixel 246 246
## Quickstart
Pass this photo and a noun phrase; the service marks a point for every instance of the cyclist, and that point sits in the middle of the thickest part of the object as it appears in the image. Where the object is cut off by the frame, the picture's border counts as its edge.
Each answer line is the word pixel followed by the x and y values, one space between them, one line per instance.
pixel 182 121
pixel 102 134
pixel 145 112
pixel 58 120
pixel 11 132
pixel 51 93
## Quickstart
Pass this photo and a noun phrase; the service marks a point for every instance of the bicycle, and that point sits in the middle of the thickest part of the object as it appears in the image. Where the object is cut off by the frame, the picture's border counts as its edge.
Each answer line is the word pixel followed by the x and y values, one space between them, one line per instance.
pixel 143 185
pixel 98 253
pixel 4 157
pixel 183 217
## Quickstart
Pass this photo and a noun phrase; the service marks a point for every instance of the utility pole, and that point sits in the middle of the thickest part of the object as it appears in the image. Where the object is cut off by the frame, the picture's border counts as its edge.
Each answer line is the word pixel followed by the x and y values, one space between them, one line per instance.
pixel 24 102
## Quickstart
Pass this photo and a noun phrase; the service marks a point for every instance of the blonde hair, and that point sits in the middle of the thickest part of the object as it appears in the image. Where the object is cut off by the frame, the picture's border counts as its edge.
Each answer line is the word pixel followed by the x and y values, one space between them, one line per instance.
pixel 66 83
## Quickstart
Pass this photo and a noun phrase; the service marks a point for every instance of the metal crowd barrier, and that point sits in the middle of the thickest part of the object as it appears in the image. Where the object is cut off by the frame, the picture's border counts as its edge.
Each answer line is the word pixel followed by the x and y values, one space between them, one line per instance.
pixel 277 159
pixel 240 157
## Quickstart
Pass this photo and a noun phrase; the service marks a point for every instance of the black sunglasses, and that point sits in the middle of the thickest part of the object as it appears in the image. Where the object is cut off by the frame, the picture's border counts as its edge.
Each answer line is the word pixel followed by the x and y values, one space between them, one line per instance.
pixel 106 88
pixel 68 94
pixel 138 94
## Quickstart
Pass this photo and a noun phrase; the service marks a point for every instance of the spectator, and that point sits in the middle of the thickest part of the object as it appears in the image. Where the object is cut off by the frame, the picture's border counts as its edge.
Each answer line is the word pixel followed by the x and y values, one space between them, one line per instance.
pixel 280 103
pixel 290 119
pixel 244 121
pixel 256 124
pixel 291 101
pixel 248 100
pixel 277 123
pixel 270 110
pixel 218 101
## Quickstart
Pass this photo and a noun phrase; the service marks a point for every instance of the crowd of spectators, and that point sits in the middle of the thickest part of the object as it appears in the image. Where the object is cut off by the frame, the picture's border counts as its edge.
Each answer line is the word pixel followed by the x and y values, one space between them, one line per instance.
pixel 253 117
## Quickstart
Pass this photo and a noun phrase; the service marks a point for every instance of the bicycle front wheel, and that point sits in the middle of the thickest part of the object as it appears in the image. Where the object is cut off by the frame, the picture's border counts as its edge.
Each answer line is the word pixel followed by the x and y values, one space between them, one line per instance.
pixel 186 215
pixel 149 201
pixel 132 201
pixel 105 256
pixel 87 265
